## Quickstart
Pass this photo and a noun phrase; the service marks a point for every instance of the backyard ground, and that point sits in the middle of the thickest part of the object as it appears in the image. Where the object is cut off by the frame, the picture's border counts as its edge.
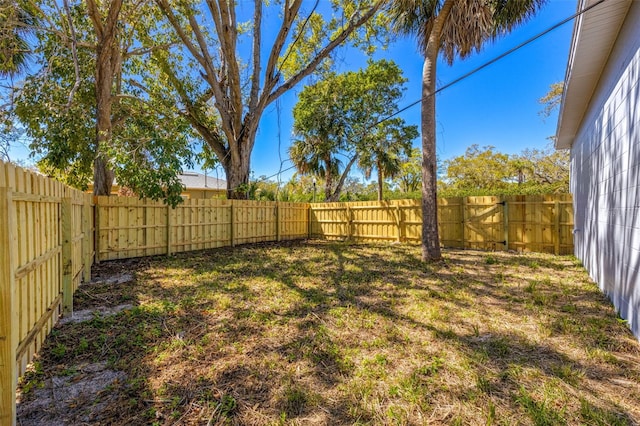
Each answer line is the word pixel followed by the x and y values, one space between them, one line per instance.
pixel 331 333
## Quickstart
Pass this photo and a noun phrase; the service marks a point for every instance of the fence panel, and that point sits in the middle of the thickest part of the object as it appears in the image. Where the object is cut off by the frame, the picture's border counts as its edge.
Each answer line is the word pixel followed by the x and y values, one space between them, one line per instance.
pixel 254 221
pixel 36 262
pixel 130 227
pixel 483 223
pixel 451 214
pixel 293 221
pixel 541 223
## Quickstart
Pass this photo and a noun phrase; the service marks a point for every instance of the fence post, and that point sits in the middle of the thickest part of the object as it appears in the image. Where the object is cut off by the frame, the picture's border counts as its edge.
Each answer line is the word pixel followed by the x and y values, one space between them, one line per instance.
pixel 505 218
pixel 145 212
pixel 66 219
pixel 86 238
pixel 96 229
pixel 348 223
pixel 465 217
pixel 8 316
pixel 557 227
pixel 169 230
pixel 399 223
pixel 309 222
pixel 278 231
pixel 231 224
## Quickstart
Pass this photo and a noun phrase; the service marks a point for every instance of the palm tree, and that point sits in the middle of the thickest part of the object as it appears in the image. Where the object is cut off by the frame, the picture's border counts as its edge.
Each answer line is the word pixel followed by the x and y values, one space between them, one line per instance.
pixel 455 28
pixel 315 155
pixel 383 151
pixel 17 22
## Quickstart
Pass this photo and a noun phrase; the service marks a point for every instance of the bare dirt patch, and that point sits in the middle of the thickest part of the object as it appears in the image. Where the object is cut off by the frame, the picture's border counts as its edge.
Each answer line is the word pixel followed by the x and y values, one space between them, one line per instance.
pixel 79 397
pixel 88 314
pixel 331 333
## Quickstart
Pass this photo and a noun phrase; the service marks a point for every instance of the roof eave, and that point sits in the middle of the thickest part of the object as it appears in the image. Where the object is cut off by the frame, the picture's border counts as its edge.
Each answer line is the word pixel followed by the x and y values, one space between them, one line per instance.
pixel 594 34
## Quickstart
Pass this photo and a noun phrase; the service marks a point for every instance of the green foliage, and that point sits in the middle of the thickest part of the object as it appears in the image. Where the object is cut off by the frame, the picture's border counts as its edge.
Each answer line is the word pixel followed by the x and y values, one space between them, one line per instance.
pixel 62 134
pixel 321 27
pixel 542 172
pixel 151 140
pixel 338 117
pixel 383 148
pixel 478 168
pixel 483 171
pixel 16 21
pixel 551 100
pixel 465 27
pixel 409 178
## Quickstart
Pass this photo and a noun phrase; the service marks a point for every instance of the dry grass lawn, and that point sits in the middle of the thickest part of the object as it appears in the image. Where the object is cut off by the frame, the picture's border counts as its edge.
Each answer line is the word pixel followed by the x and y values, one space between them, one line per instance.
pixel 329 333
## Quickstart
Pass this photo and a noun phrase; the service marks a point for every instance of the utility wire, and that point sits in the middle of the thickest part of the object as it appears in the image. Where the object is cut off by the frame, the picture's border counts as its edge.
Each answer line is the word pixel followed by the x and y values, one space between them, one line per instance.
pixel 472 72
pixel 492 61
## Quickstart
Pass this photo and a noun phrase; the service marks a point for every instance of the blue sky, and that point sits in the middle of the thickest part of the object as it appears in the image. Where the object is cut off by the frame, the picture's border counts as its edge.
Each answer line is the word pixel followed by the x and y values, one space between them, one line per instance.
pixel 497 106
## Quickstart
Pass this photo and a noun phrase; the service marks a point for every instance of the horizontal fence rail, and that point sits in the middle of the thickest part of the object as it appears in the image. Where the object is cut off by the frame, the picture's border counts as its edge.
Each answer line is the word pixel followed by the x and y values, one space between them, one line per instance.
pixel 46 241
pixel 540 223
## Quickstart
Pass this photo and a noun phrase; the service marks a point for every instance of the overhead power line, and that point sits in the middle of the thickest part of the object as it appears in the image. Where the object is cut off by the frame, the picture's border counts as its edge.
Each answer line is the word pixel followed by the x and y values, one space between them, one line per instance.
pixel 494 60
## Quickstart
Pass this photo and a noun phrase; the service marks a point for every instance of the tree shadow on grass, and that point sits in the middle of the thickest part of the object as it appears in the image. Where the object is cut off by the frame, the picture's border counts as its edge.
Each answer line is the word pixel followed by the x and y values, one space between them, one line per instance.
pixel 278 333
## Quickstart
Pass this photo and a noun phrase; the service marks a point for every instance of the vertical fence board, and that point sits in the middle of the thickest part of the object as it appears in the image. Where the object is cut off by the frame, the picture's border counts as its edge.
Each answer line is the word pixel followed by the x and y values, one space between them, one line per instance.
pixel 140 228
pixel 66 227
pixel 8 313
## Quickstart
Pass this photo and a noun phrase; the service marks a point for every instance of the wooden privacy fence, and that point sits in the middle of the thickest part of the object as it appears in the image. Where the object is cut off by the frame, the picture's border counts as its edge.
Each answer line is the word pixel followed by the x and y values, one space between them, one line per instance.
pixel 130 227
pixel 47 238
pixel 541 223
pixel 46 249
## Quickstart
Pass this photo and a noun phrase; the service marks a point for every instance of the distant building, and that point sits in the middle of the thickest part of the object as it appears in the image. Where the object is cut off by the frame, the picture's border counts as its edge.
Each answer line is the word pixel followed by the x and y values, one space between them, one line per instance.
pixel 196 186
pixel 200 186
pixel 600 123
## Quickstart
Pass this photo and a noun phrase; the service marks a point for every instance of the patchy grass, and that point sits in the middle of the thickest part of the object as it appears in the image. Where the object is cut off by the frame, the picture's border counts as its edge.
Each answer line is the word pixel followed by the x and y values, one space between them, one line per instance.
pixel 332 333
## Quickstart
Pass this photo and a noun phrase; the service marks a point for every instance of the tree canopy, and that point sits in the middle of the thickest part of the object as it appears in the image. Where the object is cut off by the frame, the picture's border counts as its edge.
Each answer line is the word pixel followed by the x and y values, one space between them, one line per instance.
pixel 149 141
pixel 16 24
pixel 409 178
pixel 551 100
pixel 484 171
pixel 338 123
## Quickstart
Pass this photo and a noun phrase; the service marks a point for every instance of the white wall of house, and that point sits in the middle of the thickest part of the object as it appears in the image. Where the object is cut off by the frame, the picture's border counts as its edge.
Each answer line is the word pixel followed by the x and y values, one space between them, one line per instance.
pixel 605 176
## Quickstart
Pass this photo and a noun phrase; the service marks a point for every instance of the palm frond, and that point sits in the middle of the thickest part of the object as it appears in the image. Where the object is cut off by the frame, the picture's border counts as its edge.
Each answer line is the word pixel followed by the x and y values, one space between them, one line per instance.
pixel 15 25
pixel 469 25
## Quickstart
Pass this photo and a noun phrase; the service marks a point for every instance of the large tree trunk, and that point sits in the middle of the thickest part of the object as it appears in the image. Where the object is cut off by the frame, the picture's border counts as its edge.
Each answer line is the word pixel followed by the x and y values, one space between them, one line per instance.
pixel 430 239
pixel 102 177
pixel 237 181
pixel 107 60
pixel 237 166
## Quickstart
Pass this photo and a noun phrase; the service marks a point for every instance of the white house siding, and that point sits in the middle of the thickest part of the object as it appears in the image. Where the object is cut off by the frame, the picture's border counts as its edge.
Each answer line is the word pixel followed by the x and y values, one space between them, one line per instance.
pixel 605 176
